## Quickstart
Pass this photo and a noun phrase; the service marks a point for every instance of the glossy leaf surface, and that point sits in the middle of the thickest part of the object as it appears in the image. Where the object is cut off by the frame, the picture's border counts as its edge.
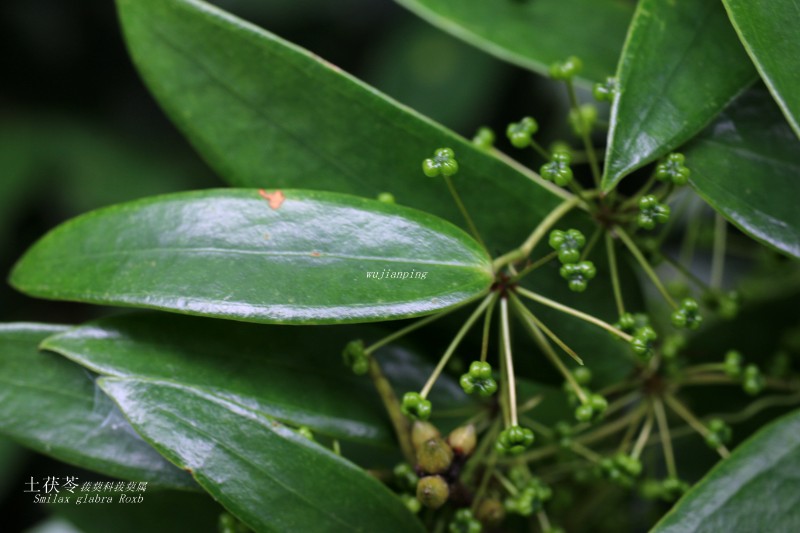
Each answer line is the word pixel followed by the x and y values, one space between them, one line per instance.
pixel 681 65
pixel 264 368
pixel 754 487
pixel 769 33
pixel 295 257
pixel 536 34
pixel 747 166
pixel 52 405
pixel 265 113
pixel 266 474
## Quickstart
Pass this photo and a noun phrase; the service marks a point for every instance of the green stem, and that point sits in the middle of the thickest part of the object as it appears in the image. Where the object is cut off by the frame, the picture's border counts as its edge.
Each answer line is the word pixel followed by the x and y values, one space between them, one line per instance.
pixel 540 150
pixel 634 423
pixel 683 412
pixel 644 434
pixel 718 257
pixel 533 266
pixel 688 274
pixel 544 522
pixel 574 312
pixel 540 231
pixel 506 483
pixel 530 321
pixel 399 421
pixel 587 142
pixel 690 236
pixel 509 362
pixel 461 207
pixel 634 200
pixel 454 344
pixel 403 332
pixel 547 331
pixel 487 324
pixel 591 244
pixel 645 266
pixel 612 266
pixel 666 440
pixel 580 449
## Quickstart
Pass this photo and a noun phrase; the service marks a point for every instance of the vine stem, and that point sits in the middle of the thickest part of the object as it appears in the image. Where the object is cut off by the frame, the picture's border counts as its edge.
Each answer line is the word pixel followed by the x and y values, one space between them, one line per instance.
pixel 683 412
pixel 540 150
pixel 400 423
pixel 587 142
pixel 592 242
pixel 461 207
pixel 533 239
pixel 574 312
pixel 506 335
pixel 688 274
pixel 666 440
pixel 718 257
pixel 645 266
pixel 453 345
pixel 612 266
pixel 530 321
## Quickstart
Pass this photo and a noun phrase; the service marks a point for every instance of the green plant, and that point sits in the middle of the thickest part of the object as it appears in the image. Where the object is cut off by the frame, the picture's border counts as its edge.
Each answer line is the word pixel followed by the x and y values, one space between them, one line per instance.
pixel 345 211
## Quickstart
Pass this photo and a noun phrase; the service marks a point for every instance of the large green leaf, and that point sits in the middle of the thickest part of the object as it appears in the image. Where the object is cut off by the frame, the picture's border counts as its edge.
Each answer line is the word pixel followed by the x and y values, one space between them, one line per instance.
pixel 299 257
pixel 747 166
pixel 535 34
pixel 268 475
pixel 753 490
pixel 52 405
pixel 264 368
pixel 265 113
pixel 681 65
pixel 768 31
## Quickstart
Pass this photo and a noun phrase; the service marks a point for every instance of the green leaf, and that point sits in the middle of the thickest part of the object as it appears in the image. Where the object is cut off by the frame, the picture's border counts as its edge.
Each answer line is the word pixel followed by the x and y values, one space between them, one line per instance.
pixel 681 65
pixel 535 34
pixel 265 113
pixel 768 31
pixel 158 512
pixel 746 165
pixel 264 368
pixel 753 487
pixel 52 405
pixel 266 474
pixel 235 254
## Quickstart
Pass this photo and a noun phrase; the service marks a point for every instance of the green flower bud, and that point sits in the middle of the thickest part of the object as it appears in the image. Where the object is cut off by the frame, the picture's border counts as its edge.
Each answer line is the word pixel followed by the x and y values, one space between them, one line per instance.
pixel 752 380
pixel 583 119
pixel 514 440
pixel 415 406
pixel 733 364
pixel 643 341
pixel 557 169
pixel 687 315
pixel 567 69
pixel 578 275
pixel 605 91
pixel 411 503
pixel 719 433
pixel 568 244
pixel 306 432
pixel 484 138
pixel 582 375
pixel 442 163
pixel 386 197
pixel 651 212
pixel 630 322
pixel 405 477
pixel 521 133
pixel 479 379
pixel 432 491
pixel 464 522
pixel 672 169
pixel 355 357
pixel 673 488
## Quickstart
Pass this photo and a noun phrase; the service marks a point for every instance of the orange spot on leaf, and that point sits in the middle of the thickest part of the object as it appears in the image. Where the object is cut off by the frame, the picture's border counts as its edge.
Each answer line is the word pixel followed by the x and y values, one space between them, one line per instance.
pixel 275 199
pixel 315 254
